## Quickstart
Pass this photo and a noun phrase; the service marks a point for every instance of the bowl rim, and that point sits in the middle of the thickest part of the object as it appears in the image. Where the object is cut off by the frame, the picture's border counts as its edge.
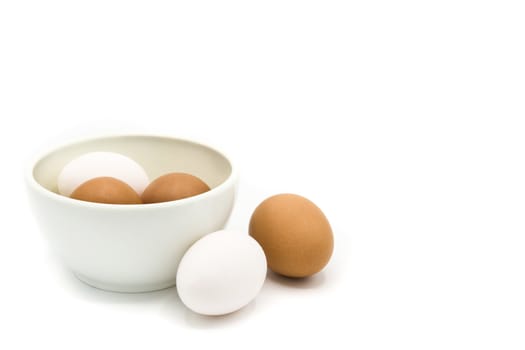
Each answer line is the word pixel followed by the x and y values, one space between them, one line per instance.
pixel 32 183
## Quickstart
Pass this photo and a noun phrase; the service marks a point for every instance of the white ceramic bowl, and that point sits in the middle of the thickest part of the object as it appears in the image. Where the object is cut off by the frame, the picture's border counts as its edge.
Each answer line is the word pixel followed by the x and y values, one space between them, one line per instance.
pixel 132 248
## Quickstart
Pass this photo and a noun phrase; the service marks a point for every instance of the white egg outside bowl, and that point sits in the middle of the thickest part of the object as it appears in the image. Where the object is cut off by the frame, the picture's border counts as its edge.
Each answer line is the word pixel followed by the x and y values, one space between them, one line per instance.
pixel 134 247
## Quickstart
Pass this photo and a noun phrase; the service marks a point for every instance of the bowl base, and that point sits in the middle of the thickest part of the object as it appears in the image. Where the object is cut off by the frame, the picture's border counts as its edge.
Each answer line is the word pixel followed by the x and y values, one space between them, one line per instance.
pixel 124 288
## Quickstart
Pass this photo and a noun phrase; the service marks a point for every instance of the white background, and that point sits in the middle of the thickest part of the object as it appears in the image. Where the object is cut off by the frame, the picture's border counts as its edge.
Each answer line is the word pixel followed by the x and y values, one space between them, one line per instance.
pixel 402 120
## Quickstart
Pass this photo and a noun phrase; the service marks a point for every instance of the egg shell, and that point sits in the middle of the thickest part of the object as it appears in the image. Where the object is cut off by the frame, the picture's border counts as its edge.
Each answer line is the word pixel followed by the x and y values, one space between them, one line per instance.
pixel 106 190
pixel 101 164
pixel 294 233
pixel 221 273
pixel 173 186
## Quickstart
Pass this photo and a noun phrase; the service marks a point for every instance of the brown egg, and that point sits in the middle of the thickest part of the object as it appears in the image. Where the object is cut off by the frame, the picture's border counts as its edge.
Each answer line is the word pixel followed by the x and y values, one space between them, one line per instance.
pixel 106 190
pixel 294 234
pixel 173 186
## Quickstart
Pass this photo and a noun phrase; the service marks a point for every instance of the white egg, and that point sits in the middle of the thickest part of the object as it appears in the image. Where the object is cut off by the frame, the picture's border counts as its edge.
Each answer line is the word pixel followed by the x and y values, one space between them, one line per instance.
pixel 221 273
pixel 97 164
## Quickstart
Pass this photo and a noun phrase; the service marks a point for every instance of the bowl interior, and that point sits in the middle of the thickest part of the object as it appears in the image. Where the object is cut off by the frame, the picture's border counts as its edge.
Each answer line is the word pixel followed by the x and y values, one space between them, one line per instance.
pixel 157 155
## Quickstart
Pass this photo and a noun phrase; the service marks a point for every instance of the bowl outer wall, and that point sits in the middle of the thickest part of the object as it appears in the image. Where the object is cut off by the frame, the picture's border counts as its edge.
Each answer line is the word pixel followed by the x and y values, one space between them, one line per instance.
pixel 128 248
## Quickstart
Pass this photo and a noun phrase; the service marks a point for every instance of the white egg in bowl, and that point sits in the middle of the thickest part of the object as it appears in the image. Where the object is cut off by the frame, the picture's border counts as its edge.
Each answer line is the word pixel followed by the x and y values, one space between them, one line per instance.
pixel 123 247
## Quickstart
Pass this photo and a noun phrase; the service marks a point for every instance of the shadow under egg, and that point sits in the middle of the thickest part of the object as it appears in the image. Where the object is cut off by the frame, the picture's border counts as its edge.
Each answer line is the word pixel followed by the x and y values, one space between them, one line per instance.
pixel 195 320
pixel 310 282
